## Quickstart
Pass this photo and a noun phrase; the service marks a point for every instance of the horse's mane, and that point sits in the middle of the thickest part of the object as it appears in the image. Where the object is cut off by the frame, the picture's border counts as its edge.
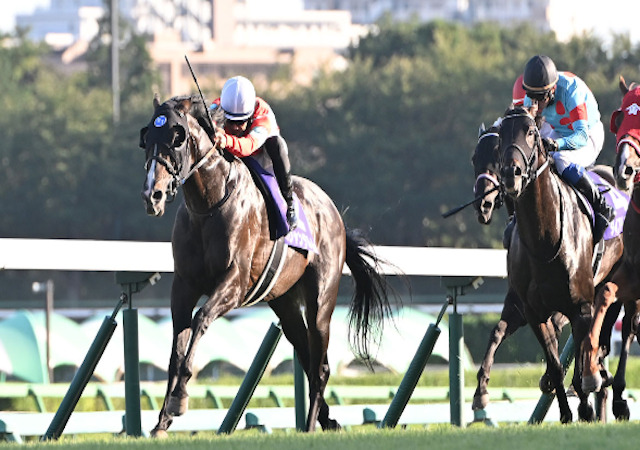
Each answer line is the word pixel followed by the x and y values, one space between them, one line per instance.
pixel 198 109
pixel 521 110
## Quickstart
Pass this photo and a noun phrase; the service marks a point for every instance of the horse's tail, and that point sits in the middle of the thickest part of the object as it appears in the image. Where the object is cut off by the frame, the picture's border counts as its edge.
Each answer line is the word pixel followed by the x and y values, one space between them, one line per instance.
pixel 370 305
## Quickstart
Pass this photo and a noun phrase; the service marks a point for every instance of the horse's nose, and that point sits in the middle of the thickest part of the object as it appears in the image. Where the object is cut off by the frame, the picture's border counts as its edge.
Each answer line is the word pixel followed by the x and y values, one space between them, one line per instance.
pixel 153 200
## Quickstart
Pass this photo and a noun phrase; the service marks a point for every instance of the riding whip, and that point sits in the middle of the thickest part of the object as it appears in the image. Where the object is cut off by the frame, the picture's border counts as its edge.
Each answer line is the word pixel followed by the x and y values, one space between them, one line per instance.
pixel 457 209
pixel 204 104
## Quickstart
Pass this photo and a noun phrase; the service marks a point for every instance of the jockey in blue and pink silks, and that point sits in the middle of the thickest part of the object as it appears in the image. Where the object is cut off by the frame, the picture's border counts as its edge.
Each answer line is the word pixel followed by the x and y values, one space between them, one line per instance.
pixel 251 129
pixel 575 134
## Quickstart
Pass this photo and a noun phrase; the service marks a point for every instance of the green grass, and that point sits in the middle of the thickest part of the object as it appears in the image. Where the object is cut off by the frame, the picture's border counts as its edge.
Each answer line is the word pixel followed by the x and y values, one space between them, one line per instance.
pixel 524 437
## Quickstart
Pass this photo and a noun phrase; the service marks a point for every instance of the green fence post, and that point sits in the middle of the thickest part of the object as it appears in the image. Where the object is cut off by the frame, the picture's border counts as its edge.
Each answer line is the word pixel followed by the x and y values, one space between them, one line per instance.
pixel 82 376
pixel 251 380
pixel 301 394
pixel 456 370
pixel 411 377
pixel 133 421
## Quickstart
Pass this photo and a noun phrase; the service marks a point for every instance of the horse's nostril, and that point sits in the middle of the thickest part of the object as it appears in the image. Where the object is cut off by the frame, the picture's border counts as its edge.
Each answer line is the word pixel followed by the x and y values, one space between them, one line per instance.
pixel 628 171
pixel 157 196
pixel 518 171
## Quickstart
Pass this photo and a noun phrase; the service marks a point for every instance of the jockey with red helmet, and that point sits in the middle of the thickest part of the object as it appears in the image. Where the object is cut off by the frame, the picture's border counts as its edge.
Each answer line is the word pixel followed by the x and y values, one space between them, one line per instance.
pixel 251 129
pixel 518 93
pixel 576 134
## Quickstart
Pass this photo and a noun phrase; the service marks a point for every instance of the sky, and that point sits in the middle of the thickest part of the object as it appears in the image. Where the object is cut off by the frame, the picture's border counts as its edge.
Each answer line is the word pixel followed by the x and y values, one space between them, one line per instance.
pixel 10 8
pixel 620 15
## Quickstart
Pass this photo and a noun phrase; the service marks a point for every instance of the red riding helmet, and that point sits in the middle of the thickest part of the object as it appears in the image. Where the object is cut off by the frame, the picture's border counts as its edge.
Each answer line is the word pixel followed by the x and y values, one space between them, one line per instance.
pixel 518 92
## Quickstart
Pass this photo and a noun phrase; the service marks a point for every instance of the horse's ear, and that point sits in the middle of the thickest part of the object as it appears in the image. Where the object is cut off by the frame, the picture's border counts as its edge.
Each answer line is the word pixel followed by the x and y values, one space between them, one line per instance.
pixel 156 101
pixel 143 140
pixel 623 86
pixel 481 130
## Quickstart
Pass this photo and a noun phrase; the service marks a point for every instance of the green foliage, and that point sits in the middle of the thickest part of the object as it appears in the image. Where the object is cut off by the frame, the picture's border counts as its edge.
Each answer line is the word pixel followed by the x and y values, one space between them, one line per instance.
pixel 390 138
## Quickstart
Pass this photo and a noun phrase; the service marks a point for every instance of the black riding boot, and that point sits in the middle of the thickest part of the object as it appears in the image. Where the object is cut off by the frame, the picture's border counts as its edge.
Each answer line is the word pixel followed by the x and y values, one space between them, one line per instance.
pixel 276 147
pixel 604 214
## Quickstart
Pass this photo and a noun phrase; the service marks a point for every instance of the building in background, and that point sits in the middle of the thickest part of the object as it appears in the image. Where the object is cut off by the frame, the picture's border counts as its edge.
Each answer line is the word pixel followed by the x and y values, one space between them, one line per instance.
pixel 256 38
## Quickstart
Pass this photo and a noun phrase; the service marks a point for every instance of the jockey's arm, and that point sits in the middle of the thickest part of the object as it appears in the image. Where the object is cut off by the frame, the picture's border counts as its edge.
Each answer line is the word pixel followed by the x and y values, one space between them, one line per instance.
pixel 246 145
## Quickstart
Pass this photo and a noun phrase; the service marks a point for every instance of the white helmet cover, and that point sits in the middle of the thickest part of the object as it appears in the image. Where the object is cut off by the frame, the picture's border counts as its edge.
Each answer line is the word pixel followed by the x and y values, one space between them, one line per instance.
pixel 238 98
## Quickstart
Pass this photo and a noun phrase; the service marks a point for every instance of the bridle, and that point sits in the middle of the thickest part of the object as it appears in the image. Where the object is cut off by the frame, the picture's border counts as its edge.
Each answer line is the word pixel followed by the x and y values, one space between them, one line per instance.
pixel 180 173
pixel 532 168
pixel 489 175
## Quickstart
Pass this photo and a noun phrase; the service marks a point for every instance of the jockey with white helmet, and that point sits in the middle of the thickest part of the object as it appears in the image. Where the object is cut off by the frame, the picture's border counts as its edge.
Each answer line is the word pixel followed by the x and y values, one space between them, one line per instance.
pixel 250 129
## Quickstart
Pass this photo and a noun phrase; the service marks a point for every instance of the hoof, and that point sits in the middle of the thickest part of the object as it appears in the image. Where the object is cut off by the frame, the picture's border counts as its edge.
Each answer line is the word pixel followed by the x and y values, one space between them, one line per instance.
pixel 586 412
pixel 546 385
pixel 592 383
pixel 159 434
pixel 177 406
pixel 333 425
pixel 621 410
pixel 566 418
pixel 480 402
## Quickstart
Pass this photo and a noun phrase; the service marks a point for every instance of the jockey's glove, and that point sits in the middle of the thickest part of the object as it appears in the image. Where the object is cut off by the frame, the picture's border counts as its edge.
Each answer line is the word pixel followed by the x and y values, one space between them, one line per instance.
pixel 550 145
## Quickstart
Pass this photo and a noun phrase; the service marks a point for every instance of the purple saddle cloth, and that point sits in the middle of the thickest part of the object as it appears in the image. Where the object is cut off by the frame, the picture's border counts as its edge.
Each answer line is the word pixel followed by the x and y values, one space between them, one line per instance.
pixel 618 200
pixel 301 236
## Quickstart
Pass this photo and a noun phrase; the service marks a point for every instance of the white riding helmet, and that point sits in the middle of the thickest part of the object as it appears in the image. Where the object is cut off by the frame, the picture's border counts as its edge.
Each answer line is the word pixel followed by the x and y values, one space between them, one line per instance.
pixel 238 98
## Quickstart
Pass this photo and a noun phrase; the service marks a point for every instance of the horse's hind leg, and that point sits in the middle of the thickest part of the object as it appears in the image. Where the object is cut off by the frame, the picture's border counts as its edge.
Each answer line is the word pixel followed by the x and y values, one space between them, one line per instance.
pixel 311 347
pixel 591 378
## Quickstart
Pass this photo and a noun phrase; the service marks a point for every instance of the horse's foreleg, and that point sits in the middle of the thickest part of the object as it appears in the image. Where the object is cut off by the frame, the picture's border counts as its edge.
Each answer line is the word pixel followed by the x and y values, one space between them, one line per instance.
pixel 549 344
pixel 510 321
pixel 580 327
pixel 181 307
pixel 591 378
pixel 225 298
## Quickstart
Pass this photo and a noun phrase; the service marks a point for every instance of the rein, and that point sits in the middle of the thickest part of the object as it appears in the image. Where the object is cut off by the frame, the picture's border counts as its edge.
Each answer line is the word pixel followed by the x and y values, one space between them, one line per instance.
pixel 227 190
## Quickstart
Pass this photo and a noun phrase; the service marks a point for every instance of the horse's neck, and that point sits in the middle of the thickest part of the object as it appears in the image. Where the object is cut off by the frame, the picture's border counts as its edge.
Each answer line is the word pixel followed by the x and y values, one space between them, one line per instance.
pixel 209 180
pixel 539 211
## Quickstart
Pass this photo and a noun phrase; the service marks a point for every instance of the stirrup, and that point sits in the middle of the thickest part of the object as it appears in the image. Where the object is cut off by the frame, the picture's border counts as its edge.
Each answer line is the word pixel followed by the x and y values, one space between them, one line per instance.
pixel 292 218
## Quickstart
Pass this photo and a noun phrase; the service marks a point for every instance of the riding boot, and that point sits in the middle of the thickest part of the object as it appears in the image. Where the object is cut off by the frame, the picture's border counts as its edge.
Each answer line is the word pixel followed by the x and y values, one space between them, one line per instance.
pixel 603 213
pixel 276 147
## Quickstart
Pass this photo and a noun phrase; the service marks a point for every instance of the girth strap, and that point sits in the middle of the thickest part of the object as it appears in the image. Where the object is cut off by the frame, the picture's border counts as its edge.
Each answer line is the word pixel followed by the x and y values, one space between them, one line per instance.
pixel 269 275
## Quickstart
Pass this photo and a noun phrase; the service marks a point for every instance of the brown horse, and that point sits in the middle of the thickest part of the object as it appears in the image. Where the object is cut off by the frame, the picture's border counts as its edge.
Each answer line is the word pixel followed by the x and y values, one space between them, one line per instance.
pixel 549 262
pixel 487 172
pixel 624 288
pixel 222 243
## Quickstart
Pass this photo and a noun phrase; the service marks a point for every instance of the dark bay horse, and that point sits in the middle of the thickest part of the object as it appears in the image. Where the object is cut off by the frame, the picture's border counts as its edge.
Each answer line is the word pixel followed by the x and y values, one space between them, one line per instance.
pixel 485 167
pixel 549 262
pixel 624 287
pixel 487 172
pixel 221 244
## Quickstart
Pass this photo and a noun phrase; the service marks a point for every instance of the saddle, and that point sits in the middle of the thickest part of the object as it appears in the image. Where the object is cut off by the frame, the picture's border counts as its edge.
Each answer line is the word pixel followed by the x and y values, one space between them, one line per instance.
pixel 299 238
